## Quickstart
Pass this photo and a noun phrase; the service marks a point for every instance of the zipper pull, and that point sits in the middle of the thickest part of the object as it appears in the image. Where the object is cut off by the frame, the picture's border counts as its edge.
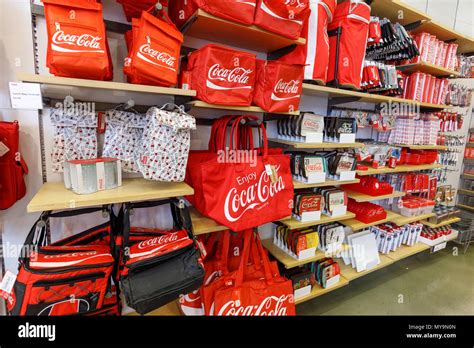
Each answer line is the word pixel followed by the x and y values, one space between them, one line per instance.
pixel 148 40
pixel 58 27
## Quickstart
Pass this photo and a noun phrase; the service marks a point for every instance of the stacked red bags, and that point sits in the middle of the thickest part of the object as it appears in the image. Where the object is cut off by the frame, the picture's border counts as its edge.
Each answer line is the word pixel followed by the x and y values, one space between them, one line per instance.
pixel 77 41
pixel 242 283
pixel 315 53
pixel 241 194
pixel 154 48
pixel 278 86
pixel 425 88
pixel 352 20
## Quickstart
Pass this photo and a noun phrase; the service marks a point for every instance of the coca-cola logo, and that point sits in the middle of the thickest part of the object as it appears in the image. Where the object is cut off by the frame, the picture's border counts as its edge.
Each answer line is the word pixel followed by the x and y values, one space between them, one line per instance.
pixel 310 204
pixel 166 238
pixel 285 90
pixel 272 305
pixel 162 59
pixel 239 200
pixel 238 76
pixel 78 254
pixel 87 42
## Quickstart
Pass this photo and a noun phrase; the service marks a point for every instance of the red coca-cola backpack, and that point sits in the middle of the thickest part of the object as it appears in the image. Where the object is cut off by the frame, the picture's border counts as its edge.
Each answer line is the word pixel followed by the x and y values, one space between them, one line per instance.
pixel 12 165
pixel 221 75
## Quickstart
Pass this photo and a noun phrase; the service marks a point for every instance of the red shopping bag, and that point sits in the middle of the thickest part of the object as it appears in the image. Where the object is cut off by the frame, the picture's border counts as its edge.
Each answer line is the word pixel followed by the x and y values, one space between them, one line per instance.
pixel 241 294
pixel 241 195
pixel 77 41
pixel 233 10
pixel 154 56
pixel 351 19
pixel 315 53
pixel 221 75
pixel 283 17
pixel 278 86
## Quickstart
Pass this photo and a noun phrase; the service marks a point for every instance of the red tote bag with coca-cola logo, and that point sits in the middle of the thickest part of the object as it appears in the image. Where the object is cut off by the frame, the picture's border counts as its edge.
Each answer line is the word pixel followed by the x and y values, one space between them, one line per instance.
pixel 242 195
pixel 278 86
pixel 243 295
pixel 221 75
pixel 283 17
pixel 77 41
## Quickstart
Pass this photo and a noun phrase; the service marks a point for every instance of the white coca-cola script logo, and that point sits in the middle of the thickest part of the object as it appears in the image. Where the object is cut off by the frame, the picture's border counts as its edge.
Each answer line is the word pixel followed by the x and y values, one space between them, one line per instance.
pixel 162 59
pixel 271 305
pixel 78 254
pixel 166 238
pixel 87 42
pixel 287 88
pixel 239 201
pixel 237 76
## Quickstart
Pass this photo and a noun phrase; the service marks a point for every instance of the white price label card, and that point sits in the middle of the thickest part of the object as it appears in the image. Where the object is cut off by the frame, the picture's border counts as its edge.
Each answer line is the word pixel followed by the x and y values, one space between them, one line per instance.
pixel 26 96
pixel 438 247
pixel 7 284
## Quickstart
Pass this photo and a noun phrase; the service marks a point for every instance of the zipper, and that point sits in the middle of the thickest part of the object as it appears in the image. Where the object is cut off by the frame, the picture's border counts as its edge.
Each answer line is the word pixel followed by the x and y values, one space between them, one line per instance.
pixel 62 251
pixel 153 260
pixel 358 17
pixel 69 280
pixel 74 25
pixel 66 270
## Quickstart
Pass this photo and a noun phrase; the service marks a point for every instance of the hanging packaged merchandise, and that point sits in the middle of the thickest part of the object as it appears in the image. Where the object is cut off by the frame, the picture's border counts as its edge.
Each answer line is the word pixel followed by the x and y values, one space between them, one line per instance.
pixel 254 289
pixel 314 54
pixel 241 191
pixel 12 165
pixel 242 12
pixel 278 86
pixel 165 146
pixel 157 266
pixel 285 18
pixel 375 31
pixel 221 75
pixel 77 40
pixel 347 41
pixel 75 136
pixel 70 277
pixel 154 56
pixel 123 138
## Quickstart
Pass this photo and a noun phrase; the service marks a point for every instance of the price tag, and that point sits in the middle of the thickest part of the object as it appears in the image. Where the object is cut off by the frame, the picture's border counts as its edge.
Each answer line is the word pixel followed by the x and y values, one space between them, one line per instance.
pixel 438 247
pixel 26 96
pixel 7 284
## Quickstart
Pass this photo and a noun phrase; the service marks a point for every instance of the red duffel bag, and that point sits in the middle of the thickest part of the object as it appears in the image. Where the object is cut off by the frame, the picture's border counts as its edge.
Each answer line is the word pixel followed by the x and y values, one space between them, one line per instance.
pixel 241 195
pixel 351 20
pixel 77 41
pixel 240 11
pixel 12 165
pixel 283 17
pixel 278 86
pixel 315 53
pixel 221 75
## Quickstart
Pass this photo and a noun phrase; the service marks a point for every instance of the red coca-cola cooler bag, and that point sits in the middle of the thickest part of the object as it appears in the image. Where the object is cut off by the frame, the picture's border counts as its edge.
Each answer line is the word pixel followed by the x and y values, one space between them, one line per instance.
pixel 283 17
pixel 221 75
pixel 154 57
pixel 70 277
pixel 233 10
pixel 278 86
pixel 351 20
pixel 77 40
pixel 12 165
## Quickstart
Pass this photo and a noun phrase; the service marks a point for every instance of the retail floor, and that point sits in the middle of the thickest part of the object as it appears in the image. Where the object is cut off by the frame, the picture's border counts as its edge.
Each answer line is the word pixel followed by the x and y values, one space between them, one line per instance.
pixel 424 284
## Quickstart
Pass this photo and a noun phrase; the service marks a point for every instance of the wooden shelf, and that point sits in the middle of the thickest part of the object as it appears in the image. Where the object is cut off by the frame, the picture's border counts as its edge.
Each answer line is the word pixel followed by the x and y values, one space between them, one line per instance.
pixel 424 147
pixel 54 196
pixel 429 69
pixel 468 176
pixel 300 145
pixel 361 197
pixel 464 206
pixel 331 92
pixel 350 273
pixel 319 291
pixel 302 185
pixel 294 224
pixel 105 85
pixel 403 220
pixel 170 309
pixel 206 26
pixel 443 223
pixel 405 251
pixel 393 8
pixel 204 105
pixel 399 169
pixel 357 225
pixel 466 192
pixel 203 225
pixel 291 262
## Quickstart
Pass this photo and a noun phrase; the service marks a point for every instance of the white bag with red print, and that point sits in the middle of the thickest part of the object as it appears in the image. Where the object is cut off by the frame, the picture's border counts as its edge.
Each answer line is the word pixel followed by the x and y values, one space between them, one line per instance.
pixel 166 142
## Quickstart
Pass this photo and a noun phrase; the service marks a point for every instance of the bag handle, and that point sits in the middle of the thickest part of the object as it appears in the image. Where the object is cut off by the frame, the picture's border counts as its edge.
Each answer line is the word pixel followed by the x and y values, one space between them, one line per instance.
pixel 261 127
